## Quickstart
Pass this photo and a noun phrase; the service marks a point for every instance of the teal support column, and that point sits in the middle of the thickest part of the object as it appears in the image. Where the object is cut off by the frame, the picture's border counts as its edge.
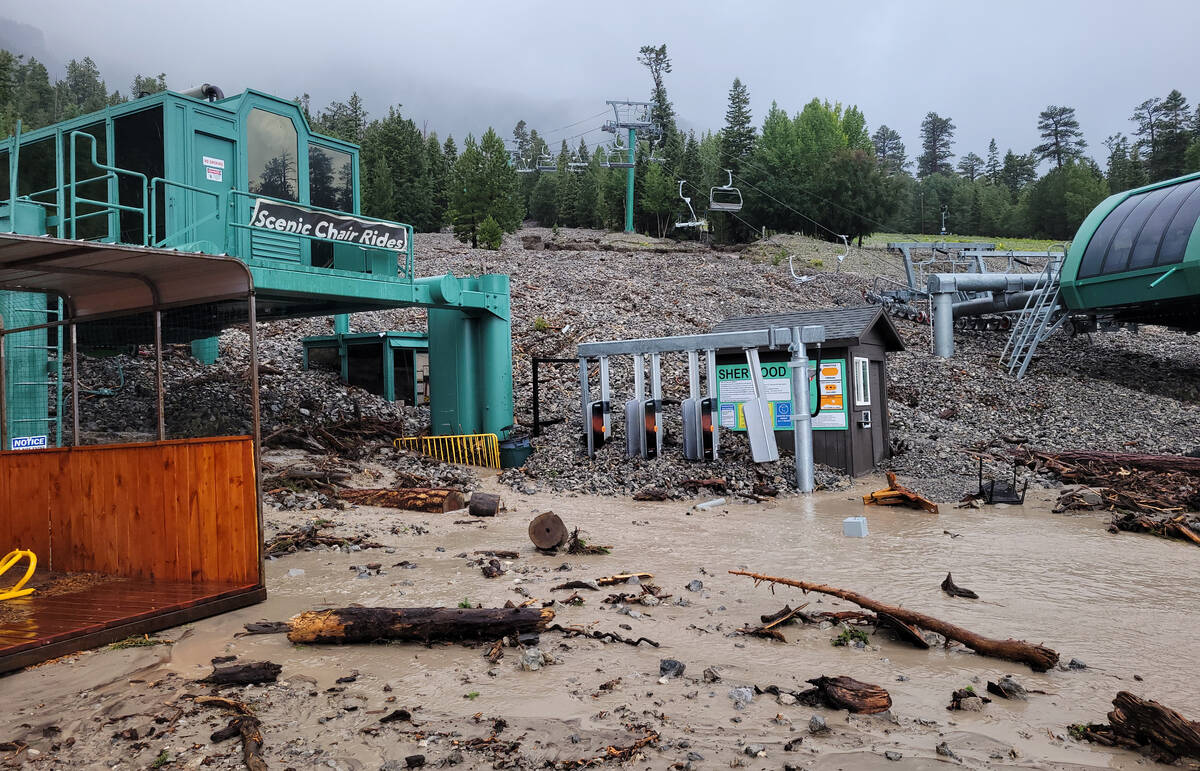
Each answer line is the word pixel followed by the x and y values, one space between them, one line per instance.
pixel 495 361
pixel 26 374
pixel 341 324
pixel 629 174
pixel 387 355
pixel 453 403
pixel 205 351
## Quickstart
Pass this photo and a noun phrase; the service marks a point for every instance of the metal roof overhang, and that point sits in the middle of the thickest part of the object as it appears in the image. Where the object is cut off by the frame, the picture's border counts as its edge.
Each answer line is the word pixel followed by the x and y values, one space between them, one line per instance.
pixel 97 280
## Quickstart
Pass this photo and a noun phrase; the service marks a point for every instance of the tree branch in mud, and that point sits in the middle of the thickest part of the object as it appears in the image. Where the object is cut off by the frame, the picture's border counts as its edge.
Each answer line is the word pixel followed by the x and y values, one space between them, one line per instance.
pixel 1140 724
pixel 896 494
pixel 245 724
pixel 1038 657
pixel 366 625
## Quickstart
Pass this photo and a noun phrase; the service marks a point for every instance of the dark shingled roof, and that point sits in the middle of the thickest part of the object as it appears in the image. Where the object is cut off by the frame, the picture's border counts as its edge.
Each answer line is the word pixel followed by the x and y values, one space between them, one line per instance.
pixel 843 326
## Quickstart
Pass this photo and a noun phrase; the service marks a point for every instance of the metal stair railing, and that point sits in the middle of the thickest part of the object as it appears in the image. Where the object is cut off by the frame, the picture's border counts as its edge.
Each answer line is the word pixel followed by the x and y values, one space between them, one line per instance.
pixel 1041 316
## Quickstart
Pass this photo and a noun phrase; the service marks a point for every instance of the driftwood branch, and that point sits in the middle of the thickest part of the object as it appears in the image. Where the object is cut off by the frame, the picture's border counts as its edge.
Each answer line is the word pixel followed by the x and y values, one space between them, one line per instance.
pixel 245 724
pixel 1038 657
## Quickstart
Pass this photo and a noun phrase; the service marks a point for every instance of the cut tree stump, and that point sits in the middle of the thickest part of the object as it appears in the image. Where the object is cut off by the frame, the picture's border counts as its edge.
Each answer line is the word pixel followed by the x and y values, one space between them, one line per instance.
pixel 547 531
pixel 484 505
pixel 431 500
pixel 896 494
pixel 952 589
pixel 244 674
pixel 364 625
pixel 1038 657
pixel 1137 723
pixel 846 693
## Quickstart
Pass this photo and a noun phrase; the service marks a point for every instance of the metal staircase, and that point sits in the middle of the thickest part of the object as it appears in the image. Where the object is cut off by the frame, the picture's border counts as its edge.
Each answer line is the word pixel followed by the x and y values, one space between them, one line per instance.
pixel 1042 315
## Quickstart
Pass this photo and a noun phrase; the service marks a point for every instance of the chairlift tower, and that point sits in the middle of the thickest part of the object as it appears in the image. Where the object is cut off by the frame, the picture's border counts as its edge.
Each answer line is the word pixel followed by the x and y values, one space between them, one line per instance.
pixel 629 116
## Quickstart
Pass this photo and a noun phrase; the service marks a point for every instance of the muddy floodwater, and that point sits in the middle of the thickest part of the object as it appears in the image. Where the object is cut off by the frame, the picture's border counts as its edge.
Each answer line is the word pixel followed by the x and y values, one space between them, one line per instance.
pixel 1125 605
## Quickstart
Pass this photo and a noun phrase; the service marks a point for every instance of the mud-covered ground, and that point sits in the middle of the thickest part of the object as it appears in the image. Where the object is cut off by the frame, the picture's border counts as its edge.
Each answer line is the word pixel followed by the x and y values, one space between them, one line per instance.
pixel 1058 580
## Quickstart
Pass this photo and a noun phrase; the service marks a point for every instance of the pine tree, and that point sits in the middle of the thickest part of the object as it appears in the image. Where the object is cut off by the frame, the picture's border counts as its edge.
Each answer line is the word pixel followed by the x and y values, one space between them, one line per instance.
pixel 144 85
pixel 1018 171
pixel 1174 135
pixel 889 151
pixel 737 138
pixel 1146 118
pixel 1125 170
pixel 485 185
pixel 970 167
pixel 83 90
pixel 1063 139
pixel 937 139
pixel 992 169
pixel 662 113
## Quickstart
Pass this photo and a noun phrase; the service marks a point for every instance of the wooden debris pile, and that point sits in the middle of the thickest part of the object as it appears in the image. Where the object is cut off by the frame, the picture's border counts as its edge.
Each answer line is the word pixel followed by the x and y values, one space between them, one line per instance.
pixel 350 439
pixel 1146 493
pixel 310 536
pixel 896 494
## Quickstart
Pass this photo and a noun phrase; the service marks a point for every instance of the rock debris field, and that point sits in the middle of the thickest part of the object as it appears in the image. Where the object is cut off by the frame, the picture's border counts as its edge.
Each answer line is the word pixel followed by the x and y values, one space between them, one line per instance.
pixel 1120 391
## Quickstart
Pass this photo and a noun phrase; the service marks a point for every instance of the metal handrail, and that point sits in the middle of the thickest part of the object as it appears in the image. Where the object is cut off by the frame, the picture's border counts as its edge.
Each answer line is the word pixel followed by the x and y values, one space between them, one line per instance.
pixel 113 171
pixel 408 250
pixel 216 215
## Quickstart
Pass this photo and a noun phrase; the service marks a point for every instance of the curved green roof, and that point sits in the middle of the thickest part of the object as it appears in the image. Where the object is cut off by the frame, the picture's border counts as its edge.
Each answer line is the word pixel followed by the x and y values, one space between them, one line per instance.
pixel 1137 248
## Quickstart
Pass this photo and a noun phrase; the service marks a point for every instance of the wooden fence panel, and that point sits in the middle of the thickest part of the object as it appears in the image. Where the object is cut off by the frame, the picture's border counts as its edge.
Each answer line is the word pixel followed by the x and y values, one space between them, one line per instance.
pixel 181 510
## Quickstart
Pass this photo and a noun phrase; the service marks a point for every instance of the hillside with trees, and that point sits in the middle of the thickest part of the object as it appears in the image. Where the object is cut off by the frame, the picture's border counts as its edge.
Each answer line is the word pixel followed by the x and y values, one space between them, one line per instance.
pixel 819 170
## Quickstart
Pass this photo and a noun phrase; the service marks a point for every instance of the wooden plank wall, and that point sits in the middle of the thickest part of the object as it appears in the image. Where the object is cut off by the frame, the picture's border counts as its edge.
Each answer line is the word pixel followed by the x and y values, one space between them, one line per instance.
pixel 181 510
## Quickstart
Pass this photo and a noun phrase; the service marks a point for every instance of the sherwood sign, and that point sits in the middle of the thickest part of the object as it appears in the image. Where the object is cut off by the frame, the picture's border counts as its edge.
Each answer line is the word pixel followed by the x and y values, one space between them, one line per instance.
pixel 290 218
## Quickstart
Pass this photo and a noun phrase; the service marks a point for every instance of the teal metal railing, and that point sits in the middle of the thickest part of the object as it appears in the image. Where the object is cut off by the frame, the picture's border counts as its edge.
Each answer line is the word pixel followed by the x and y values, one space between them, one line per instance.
pixel 107 208
pixel 219 206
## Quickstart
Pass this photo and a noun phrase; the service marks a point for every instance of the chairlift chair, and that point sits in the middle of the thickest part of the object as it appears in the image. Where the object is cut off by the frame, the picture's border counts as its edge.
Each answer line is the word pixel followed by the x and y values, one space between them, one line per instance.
pixel 725 197
pixel 618 158
pixel 546 162
pixel 693 222
pixel 524 166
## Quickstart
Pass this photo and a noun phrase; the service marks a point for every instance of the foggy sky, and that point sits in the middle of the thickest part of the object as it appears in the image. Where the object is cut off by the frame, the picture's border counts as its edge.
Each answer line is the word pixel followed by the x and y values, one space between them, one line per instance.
pixel 460 66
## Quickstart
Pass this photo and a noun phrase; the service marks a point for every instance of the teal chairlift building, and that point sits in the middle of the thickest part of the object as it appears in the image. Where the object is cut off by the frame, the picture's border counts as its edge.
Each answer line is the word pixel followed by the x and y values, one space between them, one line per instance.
pixel 243 176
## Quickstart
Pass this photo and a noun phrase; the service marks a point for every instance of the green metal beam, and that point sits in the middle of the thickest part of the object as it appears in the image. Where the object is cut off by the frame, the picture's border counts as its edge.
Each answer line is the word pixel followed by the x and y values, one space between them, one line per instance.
pixel 629 174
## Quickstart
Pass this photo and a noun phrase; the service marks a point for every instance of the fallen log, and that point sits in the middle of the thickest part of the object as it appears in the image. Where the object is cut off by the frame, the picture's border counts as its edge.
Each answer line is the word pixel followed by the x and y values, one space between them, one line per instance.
pixel 1038 657
pixel 1139 724
pixel 484 505
pixel 954 590
pixel 1144 462
pixel 244 674
pixel 547 531
pixel 896 494
pixel 846 693
pixel 365 625
pixel 432 500
pixel 621 578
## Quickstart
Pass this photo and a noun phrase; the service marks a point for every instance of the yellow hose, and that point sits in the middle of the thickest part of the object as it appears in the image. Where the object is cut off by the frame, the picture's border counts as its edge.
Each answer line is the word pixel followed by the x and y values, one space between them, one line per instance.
pixel 10 559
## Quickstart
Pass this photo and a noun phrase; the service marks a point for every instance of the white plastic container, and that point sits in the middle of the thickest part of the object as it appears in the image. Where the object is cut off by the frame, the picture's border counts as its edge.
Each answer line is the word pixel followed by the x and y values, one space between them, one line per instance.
pixel 854 527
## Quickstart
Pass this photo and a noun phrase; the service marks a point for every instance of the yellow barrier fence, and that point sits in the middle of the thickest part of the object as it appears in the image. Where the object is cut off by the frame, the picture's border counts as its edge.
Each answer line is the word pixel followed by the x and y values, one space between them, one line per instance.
pixel 471 449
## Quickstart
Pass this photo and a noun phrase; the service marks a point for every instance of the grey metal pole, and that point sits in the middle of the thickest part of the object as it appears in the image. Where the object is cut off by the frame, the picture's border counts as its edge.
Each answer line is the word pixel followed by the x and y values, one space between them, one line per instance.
pixel 158 375
pixel 605 396
pixel 74 387
pixel 584 397
pixel 710 374
pixel 801 415
pixel 255 419
pixel 943 324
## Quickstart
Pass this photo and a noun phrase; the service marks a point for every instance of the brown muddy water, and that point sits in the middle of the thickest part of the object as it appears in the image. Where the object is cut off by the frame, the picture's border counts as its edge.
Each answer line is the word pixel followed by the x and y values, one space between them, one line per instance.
pixel 1125 605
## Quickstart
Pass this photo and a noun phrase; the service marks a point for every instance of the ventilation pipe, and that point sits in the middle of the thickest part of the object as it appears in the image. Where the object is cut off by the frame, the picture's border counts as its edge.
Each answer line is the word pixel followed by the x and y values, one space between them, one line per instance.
pixel 205 91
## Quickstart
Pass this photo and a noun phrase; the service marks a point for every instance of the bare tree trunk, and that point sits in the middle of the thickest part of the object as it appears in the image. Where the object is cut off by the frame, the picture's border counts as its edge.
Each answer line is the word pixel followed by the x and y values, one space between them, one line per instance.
pixel 364 625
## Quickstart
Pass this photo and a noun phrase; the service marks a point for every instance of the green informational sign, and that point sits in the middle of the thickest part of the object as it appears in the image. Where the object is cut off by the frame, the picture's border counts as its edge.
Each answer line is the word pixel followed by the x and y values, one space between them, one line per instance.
pixel 735 388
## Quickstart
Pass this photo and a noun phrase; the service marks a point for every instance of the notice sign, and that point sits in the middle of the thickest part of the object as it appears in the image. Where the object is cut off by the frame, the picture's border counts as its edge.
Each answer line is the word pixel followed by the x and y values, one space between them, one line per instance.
pixel 292 218
pixel 214 168
pixel 735 388
pixel 28 443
